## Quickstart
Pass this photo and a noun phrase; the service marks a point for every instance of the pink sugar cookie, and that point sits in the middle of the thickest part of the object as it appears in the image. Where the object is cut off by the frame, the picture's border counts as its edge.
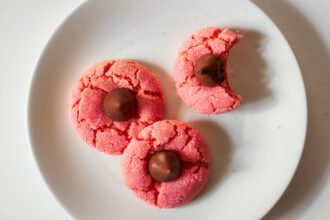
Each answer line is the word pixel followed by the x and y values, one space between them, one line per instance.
pixel 169 135
pixel 100 131
pixel 206 100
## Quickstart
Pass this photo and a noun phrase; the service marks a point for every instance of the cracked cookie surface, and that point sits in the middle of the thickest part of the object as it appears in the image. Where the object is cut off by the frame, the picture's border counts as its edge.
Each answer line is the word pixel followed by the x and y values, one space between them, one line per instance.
pixel 93 126
pixel 183 140
pixel 206 100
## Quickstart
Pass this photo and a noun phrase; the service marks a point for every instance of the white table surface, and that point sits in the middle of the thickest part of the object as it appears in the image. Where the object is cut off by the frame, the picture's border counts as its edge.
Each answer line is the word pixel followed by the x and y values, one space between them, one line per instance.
pixel 25 27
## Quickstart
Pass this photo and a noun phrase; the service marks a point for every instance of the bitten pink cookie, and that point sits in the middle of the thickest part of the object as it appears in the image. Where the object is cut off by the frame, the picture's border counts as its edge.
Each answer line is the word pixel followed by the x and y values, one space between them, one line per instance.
pixel 200 71
pixel 113 101
pixel 166 164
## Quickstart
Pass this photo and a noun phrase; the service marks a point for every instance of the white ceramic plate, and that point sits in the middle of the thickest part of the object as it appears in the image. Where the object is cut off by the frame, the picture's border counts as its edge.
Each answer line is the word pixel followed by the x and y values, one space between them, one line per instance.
pixel 255 148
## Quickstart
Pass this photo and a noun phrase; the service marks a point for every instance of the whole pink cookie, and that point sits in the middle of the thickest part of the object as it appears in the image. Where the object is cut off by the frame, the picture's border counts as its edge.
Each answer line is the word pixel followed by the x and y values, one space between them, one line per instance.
pixel 205 99
pixel 87 108
pixel 177 137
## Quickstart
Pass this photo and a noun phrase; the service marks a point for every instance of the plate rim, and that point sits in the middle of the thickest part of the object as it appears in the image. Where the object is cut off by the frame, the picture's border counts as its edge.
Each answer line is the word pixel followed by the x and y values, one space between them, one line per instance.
pixel 304 111
pixel 32 79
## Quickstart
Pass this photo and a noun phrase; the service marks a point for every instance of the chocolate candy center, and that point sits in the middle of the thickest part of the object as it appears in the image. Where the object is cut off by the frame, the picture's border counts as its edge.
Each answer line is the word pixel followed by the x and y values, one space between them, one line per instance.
pixel 120 104
pixel 164 166
pixel 209 70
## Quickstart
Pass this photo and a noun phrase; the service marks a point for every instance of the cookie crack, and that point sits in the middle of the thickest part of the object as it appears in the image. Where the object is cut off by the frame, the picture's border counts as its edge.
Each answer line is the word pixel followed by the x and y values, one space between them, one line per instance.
pixel 201 161
pixel 136 87
pixel 157 188
pixel 94 138
pixel 214 35
pixel 151 140
pixel 113 128
pixel 211 103
pixel 90 86
pixel 204 41
pixel 230 43
pixel 129 128
pixel 176 132
pixel 152 93
pixel 186 77
pixel 106 68
pixel 190 137
pixel 186 80
pixel 145 123
pixel 105 128
pixel 206 44
pixel 76 103
pixel 154 187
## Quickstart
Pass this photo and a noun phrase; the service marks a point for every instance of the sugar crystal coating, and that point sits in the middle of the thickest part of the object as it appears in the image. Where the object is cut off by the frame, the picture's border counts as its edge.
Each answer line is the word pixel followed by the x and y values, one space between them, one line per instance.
pixel 177 137
pixel 201 98
pixel 93 125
